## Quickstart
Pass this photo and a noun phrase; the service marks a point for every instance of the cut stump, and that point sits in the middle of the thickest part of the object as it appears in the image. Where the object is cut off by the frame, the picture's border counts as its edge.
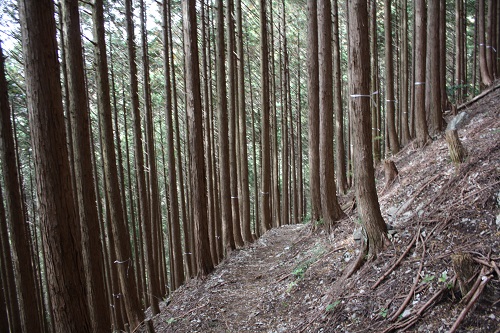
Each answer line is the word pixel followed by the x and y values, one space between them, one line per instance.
pixel 457 151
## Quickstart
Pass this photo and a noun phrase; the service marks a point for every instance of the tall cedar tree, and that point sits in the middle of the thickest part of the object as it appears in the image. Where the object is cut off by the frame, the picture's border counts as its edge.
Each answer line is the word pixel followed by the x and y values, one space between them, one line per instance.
pixel 313 99
pixel 364 174
pixel 329 204
pixel 83 172
pixel 16 258
pixel 176 260
pixel 204 263
pixel 57 212
pixel 265 213
pixel 486 79
pixel 244 193
pixel 233 124
pixel 121 244
pixel 224 167
pixel 337 104
pixel 405 129
pixel 421 131
pixel 154 247
pixel 433 84
pixel 389 69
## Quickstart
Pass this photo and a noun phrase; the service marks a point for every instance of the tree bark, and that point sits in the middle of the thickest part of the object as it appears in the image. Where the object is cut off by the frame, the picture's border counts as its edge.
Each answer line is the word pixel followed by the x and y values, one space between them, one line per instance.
pixel 128 287
pixel 421 131
pixel 337 105
pixel 486 79
pixel 329 204
pixel 389 69
pixel 57 213
pixel 244 193
pixel 313 99
pixel 433 85
pixel 204 263
pixel 26 310
pixel 364 174
pixel 457 151
pixel 224 159
pixel 85 191
pixel 265 212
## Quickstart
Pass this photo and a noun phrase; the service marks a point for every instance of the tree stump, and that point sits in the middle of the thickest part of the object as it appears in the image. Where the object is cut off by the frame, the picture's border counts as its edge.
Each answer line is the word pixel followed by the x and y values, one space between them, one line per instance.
pixel 465 268
pixel 457 151
pixel 390 171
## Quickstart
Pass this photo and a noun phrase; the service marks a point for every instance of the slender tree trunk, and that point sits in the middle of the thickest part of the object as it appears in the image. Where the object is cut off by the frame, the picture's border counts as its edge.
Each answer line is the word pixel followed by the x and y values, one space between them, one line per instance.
pixel 433 84
pixel 375 85
pixel 329 204
pixel 59 221
pixel 366 194
pixel 195 122
pixel 389 69
pixel 149 199
pixel 233 117
pixel 442 59
pixel 421 131
pixel 21 254
pixel 459 51
pixel 486 79
pixel 224 168
pixel 244 193
pixel 119 228
pixel 337 105
pixel 86 197
pixel 12 320
pixel 405 129
pixel 265 190
pixel 313 99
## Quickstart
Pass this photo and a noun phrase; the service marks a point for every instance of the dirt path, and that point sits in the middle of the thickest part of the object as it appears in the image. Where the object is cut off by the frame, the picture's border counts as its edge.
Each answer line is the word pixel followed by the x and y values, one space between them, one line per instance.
pixel 242 295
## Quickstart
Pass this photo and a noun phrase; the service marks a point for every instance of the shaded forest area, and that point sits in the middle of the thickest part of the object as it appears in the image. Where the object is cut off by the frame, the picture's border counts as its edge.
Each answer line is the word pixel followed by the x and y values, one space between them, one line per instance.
pixel 144 142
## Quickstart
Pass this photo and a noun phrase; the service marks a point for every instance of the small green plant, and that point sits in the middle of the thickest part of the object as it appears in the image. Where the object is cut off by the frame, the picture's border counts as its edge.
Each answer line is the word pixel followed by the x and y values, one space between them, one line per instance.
pixel 383 312
pixel 331 307
pixel 290 286
pixel 171 320
pixel 428 278
pixel 443 278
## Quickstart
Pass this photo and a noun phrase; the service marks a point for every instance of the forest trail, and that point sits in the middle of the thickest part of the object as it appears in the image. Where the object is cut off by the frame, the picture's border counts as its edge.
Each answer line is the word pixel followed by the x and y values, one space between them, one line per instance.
pixel 290 280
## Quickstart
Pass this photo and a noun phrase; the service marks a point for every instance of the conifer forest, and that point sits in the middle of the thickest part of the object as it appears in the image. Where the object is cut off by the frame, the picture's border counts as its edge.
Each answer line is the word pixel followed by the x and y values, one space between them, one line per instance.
pixel 163 161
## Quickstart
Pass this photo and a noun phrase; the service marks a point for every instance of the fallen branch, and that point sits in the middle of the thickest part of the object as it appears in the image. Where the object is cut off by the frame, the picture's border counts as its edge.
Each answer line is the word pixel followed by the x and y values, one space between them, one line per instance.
pixel 391 269
pixel 465 311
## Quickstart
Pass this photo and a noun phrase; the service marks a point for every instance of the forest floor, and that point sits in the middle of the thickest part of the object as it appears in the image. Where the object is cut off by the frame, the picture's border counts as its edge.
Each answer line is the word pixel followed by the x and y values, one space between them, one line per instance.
pixel 291 279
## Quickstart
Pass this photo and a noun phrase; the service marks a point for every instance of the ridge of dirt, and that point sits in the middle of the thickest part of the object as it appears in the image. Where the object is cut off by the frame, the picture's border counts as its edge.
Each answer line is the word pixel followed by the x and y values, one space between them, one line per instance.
pixel 290 280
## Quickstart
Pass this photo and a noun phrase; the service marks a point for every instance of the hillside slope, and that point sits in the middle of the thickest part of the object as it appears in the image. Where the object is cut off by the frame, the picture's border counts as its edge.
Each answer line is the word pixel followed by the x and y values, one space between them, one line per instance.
pixel 290 280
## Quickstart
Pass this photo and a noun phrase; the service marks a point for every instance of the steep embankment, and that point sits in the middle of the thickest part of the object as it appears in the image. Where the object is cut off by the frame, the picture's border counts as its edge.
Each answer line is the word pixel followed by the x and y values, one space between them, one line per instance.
pixel 290 280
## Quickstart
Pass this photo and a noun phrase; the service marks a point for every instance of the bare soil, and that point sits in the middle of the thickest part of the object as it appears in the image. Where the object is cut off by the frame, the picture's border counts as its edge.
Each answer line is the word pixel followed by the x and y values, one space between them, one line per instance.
pixel 291 279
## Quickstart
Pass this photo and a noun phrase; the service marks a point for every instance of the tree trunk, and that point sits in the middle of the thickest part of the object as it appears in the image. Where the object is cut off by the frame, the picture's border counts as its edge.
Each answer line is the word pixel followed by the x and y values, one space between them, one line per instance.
pixel 433 84
pixel 364 175
pixel 224 167
pixel 390 172
pixel 85 191
pixel 421 131
pixel 375 85
pixel 233 116
pixel 27 309
pixel 119 228
pixel 389 69
pixel 195 122
pixel 244 193
pixel 313 99
pixel 486 79
pixel 265 212
pixel 405 129
pixel 337 105
pixel 459 51
pixel 57 212
pixel 330 206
